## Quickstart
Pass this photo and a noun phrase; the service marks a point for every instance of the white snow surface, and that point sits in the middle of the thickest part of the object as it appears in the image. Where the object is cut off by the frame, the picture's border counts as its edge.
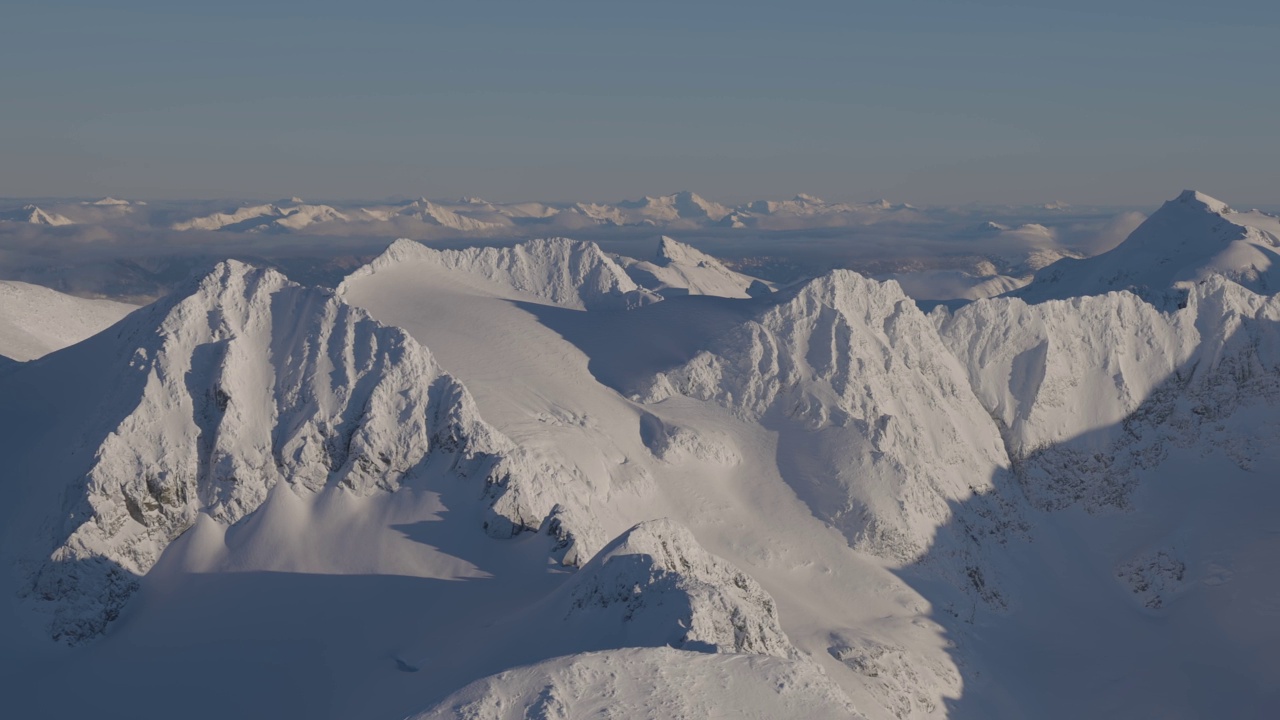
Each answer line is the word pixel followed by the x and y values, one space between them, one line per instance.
pixel 36 320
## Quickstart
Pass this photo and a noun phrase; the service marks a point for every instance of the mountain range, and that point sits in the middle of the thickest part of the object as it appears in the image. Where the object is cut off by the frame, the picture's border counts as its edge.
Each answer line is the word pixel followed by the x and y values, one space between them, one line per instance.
pixel 547 480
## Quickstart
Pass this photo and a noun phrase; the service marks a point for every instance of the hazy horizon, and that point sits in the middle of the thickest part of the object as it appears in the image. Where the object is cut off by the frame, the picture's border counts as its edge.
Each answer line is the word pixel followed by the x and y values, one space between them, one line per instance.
pixel 923 102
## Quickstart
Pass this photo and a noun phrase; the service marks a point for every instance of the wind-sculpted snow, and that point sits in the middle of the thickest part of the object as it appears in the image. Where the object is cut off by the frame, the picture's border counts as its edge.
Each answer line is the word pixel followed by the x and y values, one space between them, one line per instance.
pixel 650 683
pixel 569 273
pixel 880 431
pixel 1188 239
pixel 679 268
pixel 248 381
pixel 654 585
pixel 1092 390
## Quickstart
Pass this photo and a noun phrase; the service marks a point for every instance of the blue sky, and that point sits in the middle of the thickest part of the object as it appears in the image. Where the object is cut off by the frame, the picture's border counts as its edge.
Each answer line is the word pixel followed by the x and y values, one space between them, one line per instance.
pixel 921 101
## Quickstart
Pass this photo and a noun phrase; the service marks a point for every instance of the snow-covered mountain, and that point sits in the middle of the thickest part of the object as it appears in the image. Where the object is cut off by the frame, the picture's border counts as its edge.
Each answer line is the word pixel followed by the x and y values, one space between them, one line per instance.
pixel 1186 240
pixel 36 320
pixel 809 211
pixel 271 217
pixel 538 366
pixel 113 202
pixel 677 268
pixel 429 213
pixel 1087 389
pixel 639 486
pixel 33 215
pixel 880 432
pixel 240 383
pixel 683 210
pixel 564 272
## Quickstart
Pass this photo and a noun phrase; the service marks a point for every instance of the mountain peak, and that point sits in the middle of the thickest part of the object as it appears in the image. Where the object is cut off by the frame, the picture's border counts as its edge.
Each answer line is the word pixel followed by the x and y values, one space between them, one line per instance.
pixel 1195 197
pixel 1189 238
pixel 562 271
pixel 35 215
pixel 671 250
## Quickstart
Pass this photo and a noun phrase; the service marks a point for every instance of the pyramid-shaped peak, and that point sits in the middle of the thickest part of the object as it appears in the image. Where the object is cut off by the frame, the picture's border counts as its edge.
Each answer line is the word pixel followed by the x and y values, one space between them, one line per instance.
pixel 671 250
pixel 1197 198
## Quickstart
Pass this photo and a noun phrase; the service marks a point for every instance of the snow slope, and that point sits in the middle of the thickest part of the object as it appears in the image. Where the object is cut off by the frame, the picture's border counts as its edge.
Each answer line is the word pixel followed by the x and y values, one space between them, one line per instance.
pixel 678 268
pixel 1186 240
pixel 35 320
